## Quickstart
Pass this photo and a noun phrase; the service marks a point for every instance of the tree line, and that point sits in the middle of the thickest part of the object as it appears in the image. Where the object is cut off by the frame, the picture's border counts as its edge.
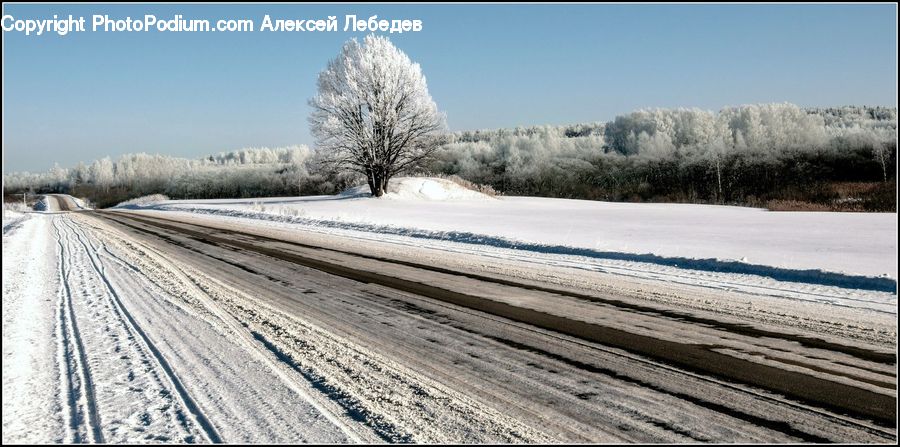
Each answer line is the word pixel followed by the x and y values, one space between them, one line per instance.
pixel 746 155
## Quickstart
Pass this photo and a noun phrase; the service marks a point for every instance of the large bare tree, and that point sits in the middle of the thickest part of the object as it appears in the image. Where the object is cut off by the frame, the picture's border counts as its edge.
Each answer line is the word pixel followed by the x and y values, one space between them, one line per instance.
pixel 373 113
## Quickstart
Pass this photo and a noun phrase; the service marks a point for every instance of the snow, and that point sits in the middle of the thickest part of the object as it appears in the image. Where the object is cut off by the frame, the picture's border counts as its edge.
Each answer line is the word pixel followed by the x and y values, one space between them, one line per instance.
pixel 785 245
pixel 106 339
pixel 101 344
pixel 420 188
pixel 109 337
pixel 11 218
pixel 143 201
pixel 81 203
pixel 30 375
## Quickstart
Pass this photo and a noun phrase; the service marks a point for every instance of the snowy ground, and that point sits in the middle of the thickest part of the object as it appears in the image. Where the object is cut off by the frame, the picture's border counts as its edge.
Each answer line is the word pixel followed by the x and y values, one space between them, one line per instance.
pixel 118 331
pixel 90 340
pixel 846 258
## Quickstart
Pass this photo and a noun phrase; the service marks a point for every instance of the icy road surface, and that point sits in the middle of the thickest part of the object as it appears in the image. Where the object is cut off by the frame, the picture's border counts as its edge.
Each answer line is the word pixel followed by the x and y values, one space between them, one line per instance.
pixel 128 327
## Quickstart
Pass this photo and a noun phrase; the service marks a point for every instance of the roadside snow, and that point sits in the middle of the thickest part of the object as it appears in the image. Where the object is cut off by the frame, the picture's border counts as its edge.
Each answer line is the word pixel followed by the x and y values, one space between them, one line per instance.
pixel 143 201
pixel 82 203
pixel 11 220
pixel 99 346
pixel 31 414
pixel 420 188
pixel 793 246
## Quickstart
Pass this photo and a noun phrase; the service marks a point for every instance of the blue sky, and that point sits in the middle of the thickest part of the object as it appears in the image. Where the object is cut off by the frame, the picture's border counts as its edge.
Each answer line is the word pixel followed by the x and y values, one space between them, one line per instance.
pixel 87 95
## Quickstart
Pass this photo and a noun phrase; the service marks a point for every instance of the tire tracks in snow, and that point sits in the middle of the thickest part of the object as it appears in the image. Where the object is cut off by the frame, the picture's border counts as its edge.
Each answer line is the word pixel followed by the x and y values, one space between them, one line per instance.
pixel 247 340
pixel 122 389
pixel 331 402
pixel 132 327
pixel 79 384
pixel 285 344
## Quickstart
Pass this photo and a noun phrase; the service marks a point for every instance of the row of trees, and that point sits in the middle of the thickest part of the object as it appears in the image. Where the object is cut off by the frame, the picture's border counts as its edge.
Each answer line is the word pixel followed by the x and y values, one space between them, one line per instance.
pixel 252 172
pixel 740 155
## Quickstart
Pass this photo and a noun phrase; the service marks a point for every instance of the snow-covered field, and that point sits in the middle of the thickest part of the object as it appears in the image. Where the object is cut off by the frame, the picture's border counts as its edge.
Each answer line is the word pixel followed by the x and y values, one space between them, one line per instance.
pixel 729 246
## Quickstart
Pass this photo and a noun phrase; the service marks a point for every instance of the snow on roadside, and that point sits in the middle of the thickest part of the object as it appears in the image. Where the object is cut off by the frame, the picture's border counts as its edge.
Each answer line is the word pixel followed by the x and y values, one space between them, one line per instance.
pixel 420 188
pixel 98 350
pixel 12 220
pixel 143 201
pixel 30 373
pixel 854 250
pixel 83 204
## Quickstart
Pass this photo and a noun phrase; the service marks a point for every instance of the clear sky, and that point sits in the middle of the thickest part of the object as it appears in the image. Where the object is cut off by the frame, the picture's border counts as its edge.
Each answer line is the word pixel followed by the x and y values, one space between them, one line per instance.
pixel 87 95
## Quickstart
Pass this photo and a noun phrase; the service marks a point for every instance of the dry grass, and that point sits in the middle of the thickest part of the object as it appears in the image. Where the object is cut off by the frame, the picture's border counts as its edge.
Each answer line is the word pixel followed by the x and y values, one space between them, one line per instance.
pixel 795 205
pixel 843 197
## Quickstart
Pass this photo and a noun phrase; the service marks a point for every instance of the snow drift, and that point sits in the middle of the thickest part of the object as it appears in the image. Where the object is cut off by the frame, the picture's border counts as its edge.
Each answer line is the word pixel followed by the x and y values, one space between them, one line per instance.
pixel 143 201
pixel 420 188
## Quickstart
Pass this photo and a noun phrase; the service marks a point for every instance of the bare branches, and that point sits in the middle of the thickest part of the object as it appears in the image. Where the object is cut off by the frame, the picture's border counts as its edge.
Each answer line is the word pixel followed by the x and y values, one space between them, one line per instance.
pixel 373 113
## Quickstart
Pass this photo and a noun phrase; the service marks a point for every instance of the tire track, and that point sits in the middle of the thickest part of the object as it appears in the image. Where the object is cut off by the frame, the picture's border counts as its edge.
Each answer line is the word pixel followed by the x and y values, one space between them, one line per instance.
pixel 323 369
pixel 332 403
pixel 246 402
pixel 80 393
pixel 132 328
pixel 246 340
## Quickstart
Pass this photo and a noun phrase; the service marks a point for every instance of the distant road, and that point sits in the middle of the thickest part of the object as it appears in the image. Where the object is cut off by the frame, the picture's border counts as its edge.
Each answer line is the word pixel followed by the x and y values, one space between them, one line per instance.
pixel 64 202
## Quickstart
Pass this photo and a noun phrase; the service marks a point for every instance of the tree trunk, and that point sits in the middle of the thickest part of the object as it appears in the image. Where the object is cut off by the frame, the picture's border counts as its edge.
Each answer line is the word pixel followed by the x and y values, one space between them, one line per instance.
pixel 384 182
pixel 719 178
pixel 377 183
pixel 880 153
pixel 371 180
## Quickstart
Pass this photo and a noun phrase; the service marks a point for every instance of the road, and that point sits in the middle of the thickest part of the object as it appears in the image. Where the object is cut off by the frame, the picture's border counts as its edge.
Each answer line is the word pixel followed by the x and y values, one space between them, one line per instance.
pixel 386 349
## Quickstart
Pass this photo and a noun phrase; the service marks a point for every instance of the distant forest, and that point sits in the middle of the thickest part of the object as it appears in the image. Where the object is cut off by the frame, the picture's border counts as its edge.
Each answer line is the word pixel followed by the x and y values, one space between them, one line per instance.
pixel 778 156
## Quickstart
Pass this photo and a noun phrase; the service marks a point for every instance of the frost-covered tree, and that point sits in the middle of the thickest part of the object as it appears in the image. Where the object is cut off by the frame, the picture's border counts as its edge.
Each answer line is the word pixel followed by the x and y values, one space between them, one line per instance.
pixel 102 172
pixel 373 113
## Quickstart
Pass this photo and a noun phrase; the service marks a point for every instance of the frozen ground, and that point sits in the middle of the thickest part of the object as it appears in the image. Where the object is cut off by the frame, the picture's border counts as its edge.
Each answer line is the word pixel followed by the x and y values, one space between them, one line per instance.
pixel 834 255
pixel 97 350
pixel 118 327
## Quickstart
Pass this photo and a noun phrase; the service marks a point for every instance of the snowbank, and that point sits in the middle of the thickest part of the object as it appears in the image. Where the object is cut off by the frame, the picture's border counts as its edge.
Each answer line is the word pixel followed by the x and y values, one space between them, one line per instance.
pixel 820 247
pixel 85 204
pixel 143 201
pixel 420 188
